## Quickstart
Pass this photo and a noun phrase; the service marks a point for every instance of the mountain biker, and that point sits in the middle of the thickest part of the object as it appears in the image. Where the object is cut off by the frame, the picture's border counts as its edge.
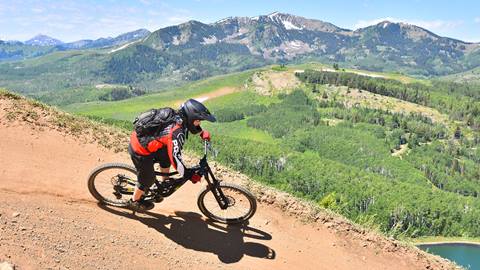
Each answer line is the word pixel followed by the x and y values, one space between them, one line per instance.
pixel 165 148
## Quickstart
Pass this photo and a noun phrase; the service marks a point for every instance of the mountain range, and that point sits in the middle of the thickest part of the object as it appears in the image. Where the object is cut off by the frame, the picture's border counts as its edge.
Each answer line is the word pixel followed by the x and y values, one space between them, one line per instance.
pixel 283 37
pixel 194 50
pixel 43 44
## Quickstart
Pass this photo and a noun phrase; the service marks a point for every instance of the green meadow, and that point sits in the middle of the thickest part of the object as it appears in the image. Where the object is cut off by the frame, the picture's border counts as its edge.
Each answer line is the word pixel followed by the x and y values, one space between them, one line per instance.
pixel 128 109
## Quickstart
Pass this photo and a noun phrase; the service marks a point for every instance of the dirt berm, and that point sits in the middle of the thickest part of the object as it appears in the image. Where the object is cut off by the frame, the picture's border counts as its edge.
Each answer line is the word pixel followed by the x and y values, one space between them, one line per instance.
pixel 48 220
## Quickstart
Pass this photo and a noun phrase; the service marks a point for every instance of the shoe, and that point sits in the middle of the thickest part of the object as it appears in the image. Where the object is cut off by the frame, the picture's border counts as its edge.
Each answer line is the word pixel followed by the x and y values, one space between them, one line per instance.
pixel 140 206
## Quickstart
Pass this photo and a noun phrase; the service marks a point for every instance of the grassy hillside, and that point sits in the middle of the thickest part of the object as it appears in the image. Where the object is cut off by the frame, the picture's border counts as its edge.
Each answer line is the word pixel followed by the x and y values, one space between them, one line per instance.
pixel 470 76
pixel 10 51
pixel 315 143
pixel 128 109
pixel 59 71
pixel 71 76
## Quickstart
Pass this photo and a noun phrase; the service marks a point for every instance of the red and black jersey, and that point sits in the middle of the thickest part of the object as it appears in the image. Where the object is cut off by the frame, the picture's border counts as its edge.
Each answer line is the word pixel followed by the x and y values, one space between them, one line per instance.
pixel 173 137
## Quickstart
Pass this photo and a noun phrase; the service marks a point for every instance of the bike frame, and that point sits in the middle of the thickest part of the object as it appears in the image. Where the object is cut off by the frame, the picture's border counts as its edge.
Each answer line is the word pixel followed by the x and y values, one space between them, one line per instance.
pixel 169 186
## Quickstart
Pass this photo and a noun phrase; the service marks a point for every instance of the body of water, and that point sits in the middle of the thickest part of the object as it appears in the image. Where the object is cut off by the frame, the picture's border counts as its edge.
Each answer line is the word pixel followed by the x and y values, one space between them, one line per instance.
pixel 466 255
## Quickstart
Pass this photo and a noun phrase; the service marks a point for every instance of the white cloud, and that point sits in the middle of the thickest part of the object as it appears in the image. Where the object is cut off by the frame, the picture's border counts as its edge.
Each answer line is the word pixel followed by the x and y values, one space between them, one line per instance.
pixel 477 20
pixel 74 20
pixel 177 19
pixel 433 25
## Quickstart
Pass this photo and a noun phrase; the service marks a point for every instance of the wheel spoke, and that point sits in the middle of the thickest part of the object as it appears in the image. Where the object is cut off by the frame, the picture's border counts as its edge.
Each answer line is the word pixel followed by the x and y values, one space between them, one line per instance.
pixel 104 181
pixel 240 208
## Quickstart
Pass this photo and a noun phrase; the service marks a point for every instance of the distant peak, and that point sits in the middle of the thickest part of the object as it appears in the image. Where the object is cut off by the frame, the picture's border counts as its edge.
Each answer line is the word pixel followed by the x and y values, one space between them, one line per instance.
pixel 384 24
pixel 279 14
pixel 385 21
pixel 273 14
pixel 191 23
pixel 41 36
pixel 194 22
pixel 224 20
pixel 43 40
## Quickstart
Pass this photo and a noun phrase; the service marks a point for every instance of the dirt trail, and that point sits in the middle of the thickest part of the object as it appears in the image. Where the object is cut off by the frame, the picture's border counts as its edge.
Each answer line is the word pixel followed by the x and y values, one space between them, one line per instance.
pixel 211 95
pixel 48 220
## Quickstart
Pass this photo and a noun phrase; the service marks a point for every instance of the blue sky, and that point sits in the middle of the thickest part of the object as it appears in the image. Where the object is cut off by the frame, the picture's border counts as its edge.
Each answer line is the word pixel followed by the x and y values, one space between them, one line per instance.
pixel 87 19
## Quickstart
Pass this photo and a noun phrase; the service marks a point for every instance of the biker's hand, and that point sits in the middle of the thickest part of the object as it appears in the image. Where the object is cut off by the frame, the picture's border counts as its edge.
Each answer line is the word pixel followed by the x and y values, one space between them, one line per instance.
pixel 195 178
pixel 193 174
pixel 205 135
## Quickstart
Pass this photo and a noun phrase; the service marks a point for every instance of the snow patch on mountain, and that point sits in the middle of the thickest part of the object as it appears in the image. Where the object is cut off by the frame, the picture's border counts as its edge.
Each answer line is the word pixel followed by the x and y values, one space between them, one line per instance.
pixel 225 20
pixel 273 15
pixel 290 26
pixel 210 40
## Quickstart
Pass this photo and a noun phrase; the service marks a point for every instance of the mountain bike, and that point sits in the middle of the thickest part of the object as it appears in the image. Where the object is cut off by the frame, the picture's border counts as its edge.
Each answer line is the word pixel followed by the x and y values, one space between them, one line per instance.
pixel 113 184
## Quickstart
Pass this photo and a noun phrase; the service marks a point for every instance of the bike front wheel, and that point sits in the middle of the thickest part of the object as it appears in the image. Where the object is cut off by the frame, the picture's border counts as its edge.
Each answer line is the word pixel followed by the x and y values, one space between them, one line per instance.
pixel 241 204
pixel 113 183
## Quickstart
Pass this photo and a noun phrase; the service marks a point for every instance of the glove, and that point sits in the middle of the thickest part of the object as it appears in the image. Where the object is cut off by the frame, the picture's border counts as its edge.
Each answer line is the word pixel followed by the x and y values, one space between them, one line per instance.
pixel 193 174
pixel 205 135
pixel 195 178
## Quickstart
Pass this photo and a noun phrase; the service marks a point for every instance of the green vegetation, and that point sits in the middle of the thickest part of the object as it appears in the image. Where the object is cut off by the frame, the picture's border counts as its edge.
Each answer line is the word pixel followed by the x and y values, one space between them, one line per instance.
pixel 341 157
pixel 469 76
pixel 348 167
pixel 128 109
pixel 17 50
pixel 459 101
pixel 281 67
pixel 59 71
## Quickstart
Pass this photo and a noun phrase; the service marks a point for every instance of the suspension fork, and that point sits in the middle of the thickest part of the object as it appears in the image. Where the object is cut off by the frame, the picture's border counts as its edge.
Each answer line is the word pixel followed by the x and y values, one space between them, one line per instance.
pixel 213 183
pixel 214 186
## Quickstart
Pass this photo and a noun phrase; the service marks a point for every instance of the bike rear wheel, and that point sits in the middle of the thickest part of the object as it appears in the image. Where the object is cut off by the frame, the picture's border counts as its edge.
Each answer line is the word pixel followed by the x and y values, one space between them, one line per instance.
pixel 241 204
pixel 113 183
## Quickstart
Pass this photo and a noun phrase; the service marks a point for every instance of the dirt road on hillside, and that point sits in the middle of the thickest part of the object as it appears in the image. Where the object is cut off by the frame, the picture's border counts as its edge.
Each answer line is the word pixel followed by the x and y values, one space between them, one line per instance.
pixel 48 220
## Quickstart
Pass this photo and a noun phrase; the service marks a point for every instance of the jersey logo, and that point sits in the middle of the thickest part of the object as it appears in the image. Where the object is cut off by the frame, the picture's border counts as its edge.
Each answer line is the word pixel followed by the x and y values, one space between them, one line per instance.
pixel 181 138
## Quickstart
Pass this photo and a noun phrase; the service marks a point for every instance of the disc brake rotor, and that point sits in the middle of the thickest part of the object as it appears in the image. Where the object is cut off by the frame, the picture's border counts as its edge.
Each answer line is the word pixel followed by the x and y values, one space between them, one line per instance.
pixel 119 180
pixel 231 200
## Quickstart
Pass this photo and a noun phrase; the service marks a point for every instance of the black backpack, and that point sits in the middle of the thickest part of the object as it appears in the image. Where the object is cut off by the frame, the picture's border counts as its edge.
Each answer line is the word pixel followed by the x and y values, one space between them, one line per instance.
pixel 154 121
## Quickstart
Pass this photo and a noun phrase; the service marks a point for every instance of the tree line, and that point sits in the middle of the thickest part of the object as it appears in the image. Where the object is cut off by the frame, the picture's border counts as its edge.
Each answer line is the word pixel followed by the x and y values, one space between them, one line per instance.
pixel 459 101
pixel 348 167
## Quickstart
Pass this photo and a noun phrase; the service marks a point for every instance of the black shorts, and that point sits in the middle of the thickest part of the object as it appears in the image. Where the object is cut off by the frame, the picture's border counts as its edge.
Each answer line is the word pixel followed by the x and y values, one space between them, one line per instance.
pixel 144 166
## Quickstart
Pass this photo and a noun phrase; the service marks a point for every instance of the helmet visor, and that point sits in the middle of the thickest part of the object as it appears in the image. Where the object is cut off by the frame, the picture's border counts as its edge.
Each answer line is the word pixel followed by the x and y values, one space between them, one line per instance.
pixel 208 117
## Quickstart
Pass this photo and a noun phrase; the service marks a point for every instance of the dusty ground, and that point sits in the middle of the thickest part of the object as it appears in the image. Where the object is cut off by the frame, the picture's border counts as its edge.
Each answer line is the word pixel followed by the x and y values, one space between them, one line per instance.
pixel 48 220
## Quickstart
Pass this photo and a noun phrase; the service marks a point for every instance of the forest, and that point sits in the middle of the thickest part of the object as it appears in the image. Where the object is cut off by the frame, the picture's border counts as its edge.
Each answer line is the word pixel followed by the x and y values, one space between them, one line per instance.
pixel 347 165
pixel 459 100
